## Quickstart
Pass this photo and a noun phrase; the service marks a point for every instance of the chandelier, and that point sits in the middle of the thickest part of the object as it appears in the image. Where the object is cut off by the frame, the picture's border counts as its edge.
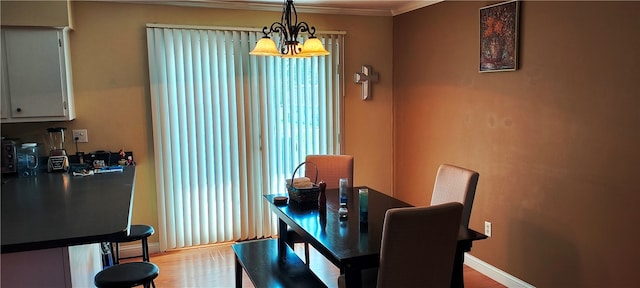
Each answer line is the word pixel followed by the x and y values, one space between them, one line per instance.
pixel 289 28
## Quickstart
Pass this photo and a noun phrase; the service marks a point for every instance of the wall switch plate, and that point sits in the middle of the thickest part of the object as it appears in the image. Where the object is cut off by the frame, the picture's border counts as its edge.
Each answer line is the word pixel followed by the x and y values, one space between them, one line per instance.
pixel 487 228
pixel 80 135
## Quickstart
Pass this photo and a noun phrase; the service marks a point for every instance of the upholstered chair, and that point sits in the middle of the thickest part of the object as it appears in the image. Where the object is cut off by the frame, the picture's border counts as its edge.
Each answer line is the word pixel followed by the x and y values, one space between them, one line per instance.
pixel 418 247
pixel 330 169
pixel 455 184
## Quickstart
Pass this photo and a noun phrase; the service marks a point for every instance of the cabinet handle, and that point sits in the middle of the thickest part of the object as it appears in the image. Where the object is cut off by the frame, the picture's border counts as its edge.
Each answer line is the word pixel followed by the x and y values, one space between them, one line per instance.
pixel 19 109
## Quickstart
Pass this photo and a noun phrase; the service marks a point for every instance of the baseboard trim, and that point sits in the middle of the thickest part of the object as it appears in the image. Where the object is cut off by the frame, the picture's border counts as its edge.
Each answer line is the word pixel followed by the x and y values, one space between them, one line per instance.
pixel 494 273
pixel 135 249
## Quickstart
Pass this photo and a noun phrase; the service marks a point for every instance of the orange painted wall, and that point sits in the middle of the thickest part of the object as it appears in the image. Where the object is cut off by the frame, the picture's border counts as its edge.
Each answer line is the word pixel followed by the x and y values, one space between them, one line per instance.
pixel 555 142
pixel 37 13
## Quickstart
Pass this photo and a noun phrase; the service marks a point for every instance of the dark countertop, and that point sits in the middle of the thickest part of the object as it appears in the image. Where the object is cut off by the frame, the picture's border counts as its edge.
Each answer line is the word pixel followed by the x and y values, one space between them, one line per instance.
pixel 58 209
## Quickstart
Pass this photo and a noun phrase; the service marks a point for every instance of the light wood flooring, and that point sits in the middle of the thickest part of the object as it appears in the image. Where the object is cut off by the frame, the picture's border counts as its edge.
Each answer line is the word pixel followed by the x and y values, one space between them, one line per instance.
pixel 213 266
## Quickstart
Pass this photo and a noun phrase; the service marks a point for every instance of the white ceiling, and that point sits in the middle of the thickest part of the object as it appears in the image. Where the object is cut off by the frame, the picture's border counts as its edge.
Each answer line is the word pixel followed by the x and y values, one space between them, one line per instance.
pixel 349 7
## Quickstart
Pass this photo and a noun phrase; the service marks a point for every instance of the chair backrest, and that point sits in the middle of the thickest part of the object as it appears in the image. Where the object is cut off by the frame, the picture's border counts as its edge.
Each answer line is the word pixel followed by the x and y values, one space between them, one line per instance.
pixel 455 184
pixel 330 169
pixel 419 245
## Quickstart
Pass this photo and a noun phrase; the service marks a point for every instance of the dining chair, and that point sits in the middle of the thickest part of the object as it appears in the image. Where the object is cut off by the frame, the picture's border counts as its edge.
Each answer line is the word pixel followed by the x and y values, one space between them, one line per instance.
pixel 418 247
pixel 330 169
pixel 455 184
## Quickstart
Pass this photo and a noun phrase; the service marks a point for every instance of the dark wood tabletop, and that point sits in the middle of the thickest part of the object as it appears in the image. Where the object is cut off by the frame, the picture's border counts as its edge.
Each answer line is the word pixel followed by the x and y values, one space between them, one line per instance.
pixel 351 244
pixel 58 209
pixel 346 239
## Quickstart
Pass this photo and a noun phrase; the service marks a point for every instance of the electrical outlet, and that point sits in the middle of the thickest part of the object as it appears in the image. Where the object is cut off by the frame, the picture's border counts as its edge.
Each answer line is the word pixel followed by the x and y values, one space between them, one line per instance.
pixel 487 228
pixel 80 135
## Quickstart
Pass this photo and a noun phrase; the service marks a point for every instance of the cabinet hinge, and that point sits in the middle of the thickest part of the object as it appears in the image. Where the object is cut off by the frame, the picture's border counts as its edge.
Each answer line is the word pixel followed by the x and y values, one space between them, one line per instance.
pixel 59 42
pixel 65 105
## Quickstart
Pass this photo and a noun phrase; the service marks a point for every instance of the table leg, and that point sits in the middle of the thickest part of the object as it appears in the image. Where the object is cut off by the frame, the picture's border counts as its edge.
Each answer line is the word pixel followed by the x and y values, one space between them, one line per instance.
pixel 457 279
pixel 238 273
pixel 282 240
pixel 352 277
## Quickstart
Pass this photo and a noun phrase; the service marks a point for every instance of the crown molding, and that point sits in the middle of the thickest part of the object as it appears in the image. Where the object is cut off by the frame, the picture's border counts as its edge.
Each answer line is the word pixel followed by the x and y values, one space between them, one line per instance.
pixel 413 5
pixel 249 5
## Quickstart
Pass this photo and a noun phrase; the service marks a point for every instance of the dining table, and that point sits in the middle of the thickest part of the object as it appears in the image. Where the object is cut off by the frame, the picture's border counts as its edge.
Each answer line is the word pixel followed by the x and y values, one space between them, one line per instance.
pixel 351 243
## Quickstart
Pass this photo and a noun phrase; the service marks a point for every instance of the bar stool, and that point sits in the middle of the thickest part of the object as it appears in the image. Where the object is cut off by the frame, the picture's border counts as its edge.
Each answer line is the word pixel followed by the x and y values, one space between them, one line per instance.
pixel 136 232
pixel 127 275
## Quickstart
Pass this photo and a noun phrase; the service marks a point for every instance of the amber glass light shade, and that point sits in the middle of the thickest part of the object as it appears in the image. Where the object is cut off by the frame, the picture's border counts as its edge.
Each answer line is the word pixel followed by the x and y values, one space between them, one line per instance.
pixel 313 47
pixel 265 47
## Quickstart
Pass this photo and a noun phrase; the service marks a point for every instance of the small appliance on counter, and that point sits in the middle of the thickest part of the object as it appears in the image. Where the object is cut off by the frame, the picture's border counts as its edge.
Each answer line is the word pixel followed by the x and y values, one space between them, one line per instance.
pixel 58 160
pixel 100 160
pixel 9 156
pixel 28 162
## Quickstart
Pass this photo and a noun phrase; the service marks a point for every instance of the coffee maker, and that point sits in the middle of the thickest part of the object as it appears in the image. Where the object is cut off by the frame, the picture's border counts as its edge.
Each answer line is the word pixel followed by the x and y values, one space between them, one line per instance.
pixel 58 160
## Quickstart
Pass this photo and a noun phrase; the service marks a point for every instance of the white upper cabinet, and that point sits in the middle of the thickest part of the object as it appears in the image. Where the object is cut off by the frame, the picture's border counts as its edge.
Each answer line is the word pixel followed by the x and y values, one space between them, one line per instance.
pixel 36 75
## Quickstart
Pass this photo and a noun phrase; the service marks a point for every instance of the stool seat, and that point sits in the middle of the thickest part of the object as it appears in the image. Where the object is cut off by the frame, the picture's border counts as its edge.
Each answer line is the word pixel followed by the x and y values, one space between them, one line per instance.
pixel 127 275
pixel 136 232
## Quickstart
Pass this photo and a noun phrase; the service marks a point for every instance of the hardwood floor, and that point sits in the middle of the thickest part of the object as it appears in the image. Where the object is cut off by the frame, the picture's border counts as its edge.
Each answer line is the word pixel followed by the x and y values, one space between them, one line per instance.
pixel 213 266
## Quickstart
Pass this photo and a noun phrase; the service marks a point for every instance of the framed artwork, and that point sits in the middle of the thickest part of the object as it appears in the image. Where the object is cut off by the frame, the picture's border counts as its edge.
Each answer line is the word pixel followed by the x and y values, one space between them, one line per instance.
pixel 499 37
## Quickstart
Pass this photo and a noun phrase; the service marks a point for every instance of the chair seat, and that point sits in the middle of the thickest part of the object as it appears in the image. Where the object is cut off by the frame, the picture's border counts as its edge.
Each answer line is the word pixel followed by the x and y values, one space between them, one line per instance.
pixel 127 275
pixel 136 232
pixel 293 237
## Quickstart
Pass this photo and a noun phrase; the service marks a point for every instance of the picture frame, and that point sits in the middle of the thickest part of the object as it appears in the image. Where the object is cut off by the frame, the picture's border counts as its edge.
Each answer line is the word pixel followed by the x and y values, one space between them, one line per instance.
pixel 499 37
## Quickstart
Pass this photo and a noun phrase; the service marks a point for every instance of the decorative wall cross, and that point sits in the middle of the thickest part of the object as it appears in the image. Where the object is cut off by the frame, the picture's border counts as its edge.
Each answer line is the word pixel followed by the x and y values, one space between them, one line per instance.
pixel 366 77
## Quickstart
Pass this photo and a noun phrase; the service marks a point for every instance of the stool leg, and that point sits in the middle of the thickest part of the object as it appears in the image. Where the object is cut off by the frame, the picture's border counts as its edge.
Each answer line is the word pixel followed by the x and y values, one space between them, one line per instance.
pixel 113 256
pixel 145 249
pixel 306 253
pixel 115 252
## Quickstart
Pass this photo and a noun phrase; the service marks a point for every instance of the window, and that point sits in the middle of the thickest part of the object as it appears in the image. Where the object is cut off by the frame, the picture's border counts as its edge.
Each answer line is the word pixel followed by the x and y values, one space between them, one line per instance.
pixel 229 128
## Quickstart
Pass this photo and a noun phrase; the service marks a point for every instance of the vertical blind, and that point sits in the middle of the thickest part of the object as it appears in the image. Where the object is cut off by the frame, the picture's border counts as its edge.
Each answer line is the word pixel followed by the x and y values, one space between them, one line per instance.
pixel 229 127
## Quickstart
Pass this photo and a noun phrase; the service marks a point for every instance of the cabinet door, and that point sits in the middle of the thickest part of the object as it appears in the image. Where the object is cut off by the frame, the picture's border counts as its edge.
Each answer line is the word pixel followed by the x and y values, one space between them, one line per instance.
pixel 35 72
pixel 4 90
